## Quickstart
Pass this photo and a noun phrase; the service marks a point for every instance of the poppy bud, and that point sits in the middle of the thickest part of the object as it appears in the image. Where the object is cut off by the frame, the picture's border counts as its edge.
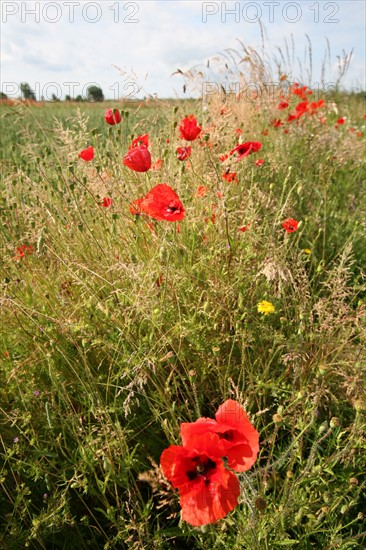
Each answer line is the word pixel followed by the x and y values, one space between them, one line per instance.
pixel 112 116
pixel 138 159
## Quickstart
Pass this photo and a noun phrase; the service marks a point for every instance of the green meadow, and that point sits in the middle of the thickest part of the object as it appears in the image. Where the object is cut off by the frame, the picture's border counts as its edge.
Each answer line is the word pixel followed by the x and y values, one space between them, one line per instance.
pixel 116 327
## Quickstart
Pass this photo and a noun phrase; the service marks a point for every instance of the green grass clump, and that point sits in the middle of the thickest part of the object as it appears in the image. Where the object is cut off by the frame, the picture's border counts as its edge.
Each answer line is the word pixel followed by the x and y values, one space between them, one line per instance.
pixel 117 328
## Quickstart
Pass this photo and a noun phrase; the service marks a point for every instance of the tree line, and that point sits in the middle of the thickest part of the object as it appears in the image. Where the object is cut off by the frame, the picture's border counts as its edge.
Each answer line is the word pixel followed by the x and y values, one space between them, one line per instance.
pixel 93 93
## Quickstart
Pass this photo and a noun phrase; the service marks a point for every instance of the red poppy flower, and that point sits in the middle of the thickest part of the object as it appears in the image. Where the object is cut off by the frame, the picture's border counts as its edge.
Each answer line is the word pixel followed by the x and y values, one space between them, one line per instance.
pixel 244 228
pixel 302 107
pixel 112 116
pixel 277 122
pixel 290 225
pixel 230 177
pixel 157 165
pixel 239 440
pixel 189 128
pixel 341 121
pixel 162 203
pixel 314 105
pixel 183 153
pixel 224 157
pixel 106 202
pixel 303 92
pixel 87 154
pixel 244 149
pixel 307 107
pixel 201 191
pixel 140 140
pixel 207 490
pixel 283 104
pixel 294 116
pixel 259 162
pixel 138 159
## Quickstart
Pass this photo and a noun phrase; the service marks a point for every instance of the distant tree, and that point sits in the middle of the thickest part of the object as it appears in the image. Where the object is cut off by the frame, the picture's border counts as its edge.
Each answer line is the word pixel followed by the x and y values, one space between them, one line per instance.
pixel 79 98
pixel 55 98
pixel 27 91
pixel 68 98
pixel 94 93
pixel 3 96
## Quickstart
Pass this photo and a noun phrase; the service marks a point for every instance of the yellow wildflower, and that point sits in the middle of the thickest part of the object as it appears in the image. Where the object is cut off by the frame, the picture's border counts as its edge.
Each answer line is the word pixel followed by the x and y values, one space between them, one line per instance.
pixel 265 307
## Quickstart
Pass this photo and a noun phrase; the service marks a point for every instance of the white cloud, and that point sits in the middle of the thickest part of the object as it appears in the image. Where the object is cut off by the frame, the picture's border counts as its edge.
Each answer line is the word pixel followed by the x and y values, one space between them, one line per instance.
pixel 169 34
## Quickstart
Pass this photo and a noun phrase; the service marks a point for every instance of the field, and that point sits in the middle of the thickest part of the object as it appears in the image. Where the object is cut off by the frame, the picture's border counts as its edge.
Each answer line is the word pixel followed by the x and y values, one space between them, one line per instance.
pixel 118 326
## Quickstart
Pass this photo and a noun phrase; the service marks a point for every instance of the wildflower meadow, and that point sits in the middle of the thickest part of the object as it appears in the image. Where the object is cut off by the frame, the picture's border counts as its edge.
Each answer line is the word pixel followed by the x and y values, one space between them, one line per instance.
pixel 183 323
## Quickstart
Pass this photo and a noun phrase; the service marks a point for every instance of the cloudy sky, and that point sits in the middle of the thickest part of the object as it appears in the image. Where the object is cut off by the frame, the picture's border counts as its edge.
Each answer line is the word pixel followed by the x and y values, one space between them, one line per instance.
pixel 131 48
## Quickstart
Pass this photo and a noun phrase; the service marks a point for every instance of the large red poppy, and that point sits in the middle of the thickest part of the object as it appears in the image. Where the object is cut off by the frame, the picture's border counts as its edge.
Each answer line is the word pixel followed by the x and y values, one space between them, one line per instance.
pixel 245 149
pixel 189 128
pixel 208 491
pixel 239 440
pixel 162 203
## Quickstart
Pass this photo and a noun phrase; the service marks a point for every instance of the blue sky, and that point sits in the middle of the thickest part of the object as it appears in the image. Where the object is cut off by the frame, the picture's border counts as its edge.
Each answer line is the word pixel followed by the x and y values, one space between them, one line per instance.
pixel 133 47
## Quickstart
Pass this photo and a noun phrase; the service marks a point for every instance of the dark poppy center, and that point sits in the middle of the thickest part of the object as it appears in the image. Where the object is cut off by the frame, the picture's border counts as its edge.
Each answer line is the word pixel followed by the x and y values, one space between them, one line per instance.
pixel 202 468
pixel 228 435
pixel 171 209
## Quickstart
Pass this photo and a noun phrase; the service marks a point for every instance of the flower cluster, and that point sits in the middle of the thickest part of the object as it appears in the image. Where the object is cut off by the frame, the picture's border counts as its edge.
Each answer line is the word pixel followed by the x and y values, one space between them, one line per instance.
pixel 303 108
pixel 208 490
pixel 22 250
pixel 162 202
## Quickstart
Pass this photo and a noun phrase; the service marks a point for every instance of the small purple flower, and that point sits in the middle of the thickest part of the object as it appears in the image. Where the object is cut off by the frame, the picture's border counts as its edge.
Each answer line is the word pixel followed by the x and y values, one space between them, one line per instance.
pixel 16 439
pixel 36 393
pixel 45 496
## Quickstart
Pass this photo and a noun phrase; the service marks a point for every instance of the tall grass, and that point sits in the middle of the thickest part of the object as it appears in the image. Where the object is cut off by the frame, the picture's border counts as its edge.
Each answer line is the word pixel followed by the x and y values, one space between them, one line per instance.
pixel 115 331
